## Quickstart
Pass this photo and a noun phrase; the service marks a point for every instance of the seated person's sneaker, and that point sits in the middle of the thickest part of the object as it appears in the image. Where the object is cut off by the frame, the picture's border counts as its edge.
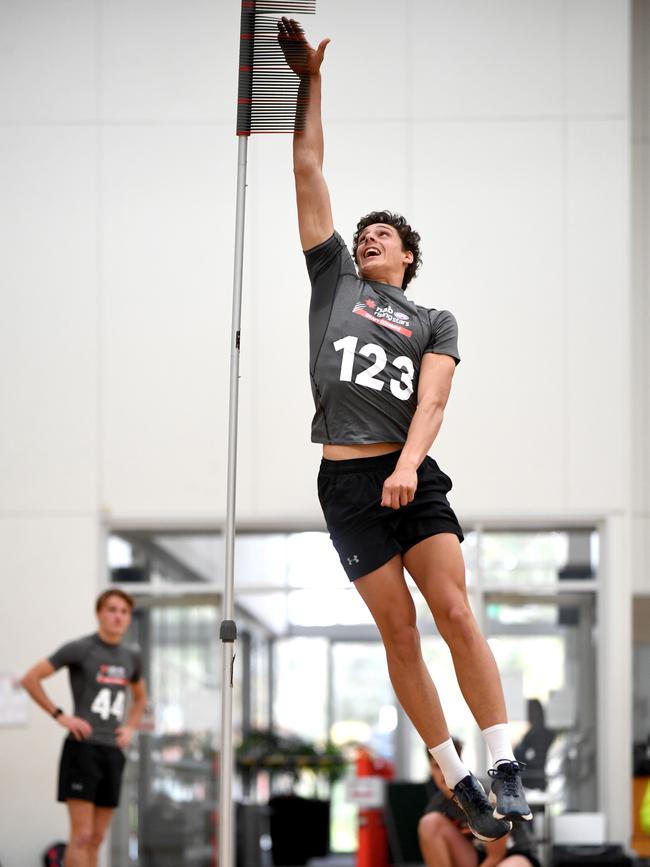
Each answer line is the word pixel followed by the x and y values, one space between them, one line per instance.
pixel 470 796
pixel 507 792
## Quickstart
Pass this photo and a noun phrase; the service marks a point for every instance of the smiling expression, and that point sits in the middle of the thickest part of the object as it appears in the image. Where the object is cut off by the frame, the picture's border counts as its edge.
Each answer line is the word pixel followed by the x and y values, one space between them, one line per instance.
pixel 380 254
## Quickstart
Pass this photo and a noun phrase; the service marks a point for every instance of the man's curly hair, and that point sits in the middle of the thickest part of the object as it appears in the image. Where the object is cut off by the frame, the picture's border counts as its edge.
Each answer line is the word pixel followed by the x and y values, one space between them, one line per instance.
pixel 410 238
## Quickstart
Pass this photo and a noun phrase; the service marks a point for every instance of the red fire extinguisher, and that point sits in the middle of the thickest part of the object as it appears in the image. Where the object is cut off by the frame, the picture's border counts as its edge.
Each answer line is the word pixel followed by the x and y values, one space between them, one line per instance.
pixel 373 836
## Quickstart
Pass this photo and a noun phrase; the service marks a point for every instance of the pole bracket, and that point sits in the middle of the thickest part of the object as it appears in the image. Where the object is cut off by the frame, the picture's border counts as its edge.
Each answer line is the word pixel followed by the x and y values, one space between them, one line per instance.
pixel 228 631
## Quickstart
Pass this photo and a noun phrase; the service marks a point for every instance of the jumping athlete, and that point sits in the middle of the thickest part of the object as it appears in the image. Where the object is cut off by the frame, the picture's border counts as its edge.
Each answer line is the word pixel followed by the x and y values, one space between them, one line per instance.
pixel 92 761
pixel 445 839
pixel 381 369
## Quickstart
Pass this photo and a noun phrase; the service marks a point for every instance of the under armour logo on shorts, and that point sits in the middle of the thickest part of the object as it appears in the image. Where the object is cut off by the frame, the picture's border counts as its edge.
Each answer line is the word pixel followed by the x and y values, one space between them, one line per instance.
pixel 352 560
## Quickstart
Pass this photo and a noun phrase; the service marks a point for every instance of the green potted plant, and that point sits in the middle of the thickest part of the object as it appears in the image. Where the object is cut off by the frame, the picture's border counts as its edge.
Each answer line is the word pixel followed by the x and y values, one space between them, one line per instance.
pixel 299 826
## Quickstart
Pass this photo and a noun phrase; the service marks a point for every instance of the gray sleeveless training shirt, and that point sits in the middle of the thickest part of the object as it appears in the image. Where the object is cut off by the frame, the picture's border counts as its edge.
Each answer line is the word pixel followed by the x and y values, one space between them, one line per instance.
pixel 366 342
pixel 99 675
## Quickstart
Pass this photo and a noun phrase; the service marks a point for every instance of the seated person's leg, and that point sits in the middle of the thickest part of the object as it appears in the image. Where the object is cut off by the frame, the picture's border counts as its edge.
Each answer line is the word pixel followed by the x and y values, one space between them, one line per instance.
pixel 443 844
pixel 516 861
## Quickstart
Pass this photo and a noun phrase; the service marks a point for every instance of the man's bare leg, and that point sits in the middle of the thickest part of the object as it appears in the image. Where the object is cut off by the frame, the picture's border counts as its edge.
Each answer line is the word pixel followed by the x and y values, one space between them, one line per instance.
pixel 516 861
pixel 390 602
pixel 438 569
pixel 77 852
pixel 443 845
pixel 101 820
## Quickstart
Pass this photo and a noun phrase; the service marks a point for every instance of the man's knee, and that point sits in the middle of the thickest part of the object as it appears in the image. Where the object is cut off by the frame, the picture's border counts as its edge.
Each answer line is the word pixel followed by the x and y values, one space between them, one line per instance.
pixel 81 837
pixel 456 623
pixel 97 838
pixel 432 825
pixel 516 861
pixel 401 640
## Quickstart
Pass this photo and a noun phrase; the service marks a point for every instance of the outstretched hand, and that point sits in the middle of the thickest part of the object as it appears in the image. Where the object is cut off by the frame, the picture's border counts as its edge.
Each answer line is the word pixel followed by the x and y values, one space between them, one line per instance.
pixel 301 57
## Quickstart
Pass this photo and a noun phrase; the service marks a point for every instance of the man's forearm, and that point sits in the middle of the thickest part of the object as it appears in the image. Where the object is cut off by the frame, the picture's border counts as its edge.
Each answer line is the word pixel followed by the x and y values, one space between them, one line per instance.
pixel 35 690
pixel 135 713
pixel 308 147
pixel 422 433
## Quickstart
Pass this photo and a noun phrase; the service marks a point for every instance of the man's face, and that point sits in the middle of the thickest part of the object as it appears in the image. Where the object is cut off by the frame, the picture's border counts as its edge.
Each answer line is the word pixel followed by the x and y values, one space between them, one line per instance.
pixel 379 250
pixel 114 616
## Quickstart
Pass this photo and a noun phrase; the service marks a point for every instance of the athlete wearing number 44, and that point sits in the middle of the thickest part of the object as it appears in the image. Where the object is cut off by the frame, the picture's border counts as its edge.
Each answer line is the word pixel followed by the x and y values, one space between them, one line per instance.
pixel 381 370
pixel 101 669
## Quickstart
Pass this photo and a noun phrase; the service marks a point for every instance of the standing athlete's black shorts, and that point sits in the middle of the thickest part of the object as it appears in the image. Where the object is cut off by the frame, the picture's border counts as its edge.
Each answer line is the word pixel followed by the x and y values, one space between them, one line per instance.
pixel 365 534
pixel 91 772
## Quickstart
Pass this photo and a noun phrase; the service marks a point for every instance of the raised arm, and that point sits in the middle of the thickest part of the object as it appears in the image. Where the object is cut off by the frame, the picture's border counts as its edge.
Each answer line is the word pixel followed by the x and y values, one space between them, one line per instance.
pixel 314 210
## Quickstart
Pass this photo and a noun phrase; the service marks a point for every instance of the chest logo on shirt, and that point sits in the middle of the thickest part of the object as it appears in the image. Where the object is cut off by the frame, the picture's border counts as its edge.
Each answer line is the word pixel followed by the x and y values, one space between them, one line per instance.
pixel 112 674
pixel 386 316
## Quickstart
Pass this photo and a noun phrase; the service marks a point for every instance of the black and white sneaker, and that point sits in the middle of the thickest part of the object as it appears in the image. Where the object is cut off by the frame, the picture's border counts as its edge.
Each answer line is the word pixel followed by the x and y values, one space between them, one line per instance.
pixel 507 792
pixel 470 796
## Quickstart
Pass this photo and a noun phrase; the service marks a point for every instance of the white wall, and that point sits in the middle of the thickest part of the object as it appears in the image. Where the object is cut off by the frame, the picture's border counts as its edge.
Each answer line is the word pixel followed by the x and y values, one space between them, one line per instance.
pixel 501 129
pixel 49 397
pixel 49 567
pixel 509 152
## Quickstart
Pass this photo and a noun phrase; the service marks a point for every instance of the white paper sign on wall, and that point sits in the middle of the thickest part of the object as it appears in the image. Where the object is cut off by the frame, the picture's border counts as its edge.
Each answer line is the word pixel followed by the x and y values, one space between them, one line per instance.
pixel 13 701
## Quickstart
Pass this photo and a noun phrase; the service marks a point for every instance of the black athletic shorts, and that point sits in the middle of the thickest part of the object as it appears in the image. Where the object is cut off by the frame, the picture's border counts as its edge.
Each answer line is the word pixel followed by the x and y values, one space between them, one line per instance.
pixel 91 772
pixel 365 534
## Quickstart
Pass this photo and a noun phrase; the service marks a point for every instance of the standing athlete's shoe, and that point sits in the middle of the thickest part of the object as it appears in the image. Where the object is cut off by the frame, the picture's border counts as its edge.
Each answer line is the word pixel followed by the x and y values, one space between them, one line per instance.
pixel 470 796
pixel 507 792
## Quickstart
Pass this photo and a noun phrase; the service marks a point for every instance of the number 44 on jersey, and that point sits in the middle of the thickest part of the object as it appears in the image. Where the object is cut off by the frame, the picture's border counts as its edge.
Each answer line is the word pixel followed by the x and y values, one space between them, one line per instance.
pixel 105 706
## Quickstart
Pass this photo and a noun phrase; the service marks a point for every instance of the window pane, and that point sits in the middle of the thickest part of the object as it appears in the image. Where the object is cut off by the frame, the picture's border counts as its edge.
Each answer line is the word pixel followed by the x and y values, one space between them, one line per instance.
pixel 557 668
pixel 541 661
pixel 362 695
pixel 260 711
pixel 170 786
pixel 363 706
pixel 530 558
pixel 300 705
pixel 327 607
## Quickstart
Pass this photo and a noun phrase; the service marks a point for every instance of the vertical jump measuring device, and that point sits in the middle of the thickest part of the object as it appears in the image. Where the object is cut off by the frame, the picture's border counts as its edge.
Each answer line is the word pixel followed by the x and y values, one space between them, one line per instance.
pixel 267 103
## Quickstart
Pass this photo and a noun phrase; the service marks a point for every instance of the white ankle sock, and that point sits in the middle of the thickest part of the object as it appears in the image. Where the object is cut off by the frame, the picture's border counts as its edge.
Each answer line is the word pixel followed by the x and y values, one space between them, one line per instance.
pixel 453 770
pixel 497 740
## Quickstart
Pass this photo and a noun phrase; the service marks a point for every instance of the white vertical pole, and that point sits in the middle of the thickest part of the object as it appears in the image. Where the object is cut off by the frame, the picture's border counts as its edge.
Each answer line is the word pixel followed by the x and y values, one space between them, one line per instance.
pixel 228 632
pixel 614 659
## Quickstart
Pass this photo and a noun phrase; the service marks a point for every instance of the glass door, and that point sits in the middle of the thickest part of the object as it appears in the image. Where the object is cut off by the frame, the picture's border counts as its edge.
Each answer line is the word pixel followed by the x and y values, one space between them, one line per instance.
pixel 545 647
pixel 170 795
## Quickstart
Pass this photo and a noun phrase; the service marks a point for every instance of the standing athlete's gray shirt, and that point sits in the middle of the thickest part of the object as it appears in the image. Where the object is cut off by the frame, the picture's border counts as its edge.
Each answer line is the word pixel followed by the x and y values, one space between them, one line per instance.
pixel 366 342
pixel 99 675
